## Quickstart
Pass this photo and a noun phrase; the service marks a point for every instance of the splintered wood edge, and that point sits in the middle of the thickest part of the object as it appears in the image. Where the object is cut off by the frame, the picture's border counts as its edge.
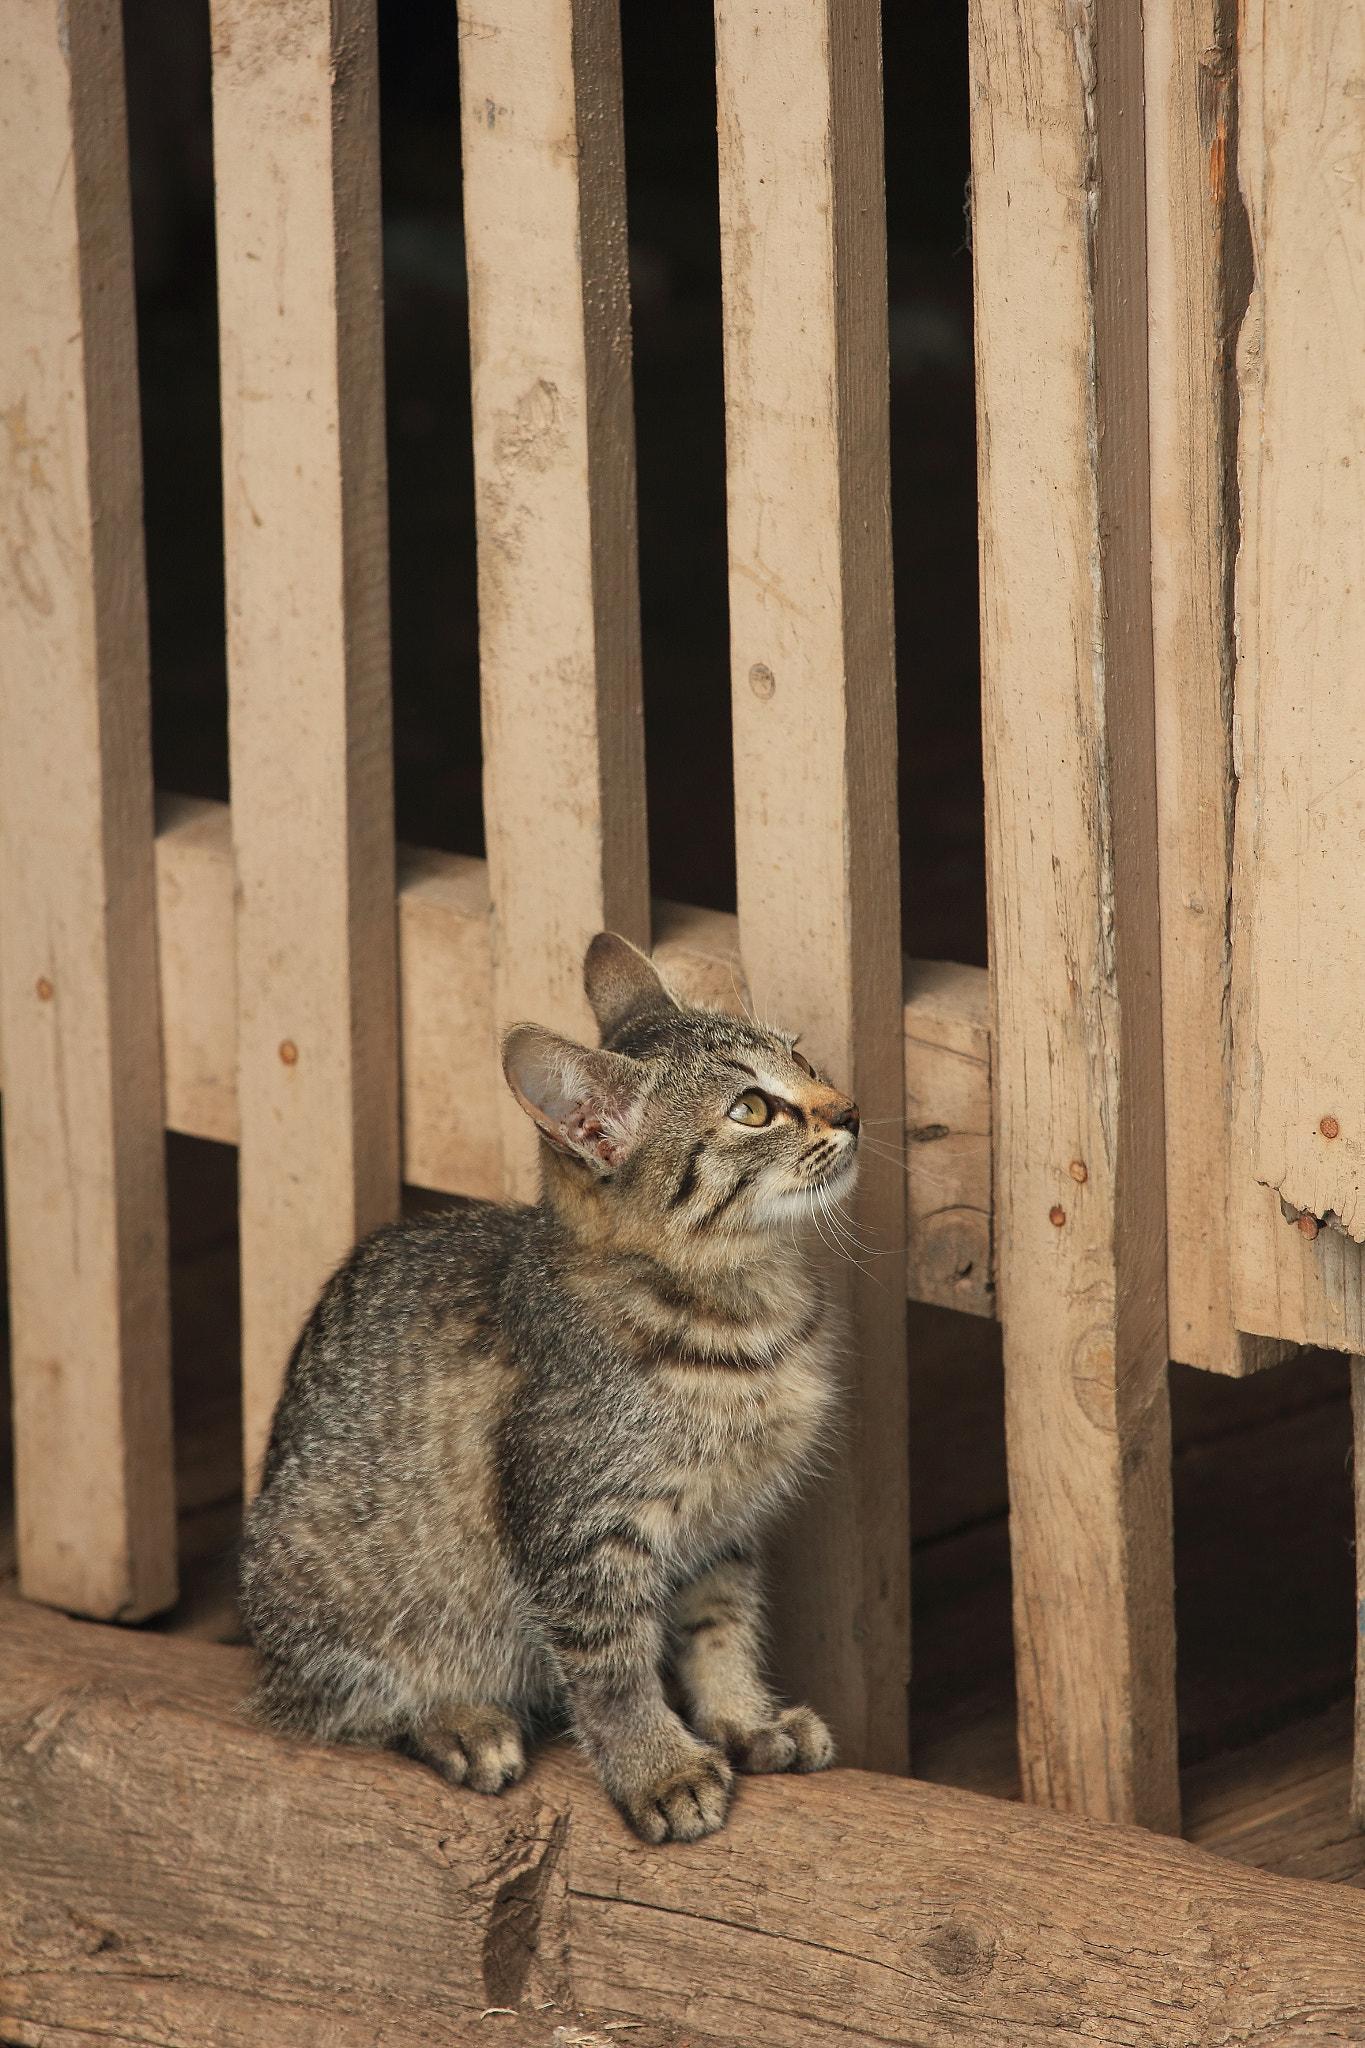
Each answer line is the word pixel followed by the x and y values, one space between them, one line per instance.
pixel 452 1084
pixel 164 1864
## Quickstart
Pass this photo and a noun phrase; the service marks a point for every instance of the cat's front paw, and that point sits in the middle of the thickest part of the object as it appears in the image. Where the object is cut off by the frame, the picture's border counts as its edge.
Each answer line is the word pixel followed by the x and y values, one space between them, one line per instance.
pixel 688 1803
pixel 796 1740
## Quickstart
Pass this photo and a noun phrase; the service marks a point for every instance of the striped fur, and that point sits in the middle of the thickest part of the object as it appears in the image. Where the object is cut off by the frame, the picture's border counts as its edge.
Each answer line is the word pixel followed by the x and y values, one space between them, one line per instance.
pixel 525 1457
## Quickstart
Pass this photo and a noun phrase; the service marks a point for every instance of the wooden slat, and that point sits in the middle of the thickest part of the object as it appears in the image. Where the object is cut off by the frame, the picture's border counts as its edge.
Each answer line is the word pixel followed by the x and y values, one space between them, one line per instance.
pixel 554 468
pixel 1299 885
pixel 296 155
pixel 804 277
pixel 84 1163
pixel 1199 279
pixel 1057 150
pixel 169 1874
pixel 948 1136
pixel 451 1074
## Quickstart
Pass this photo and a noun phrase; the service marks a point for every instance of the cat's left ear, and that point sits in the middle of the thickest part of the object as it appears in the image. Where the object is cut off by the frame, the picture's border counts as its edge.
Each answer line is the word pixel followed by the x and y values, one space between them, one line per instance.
pixel 621 983
pixel 589 1104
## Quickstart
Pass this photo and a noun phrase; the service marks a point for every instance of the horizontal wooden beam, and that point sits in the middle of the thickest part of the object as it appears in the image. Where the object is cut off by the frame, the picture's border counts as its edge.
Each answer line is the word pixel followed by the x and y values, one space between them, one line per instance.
pixel 169 1873
pixel 451 1083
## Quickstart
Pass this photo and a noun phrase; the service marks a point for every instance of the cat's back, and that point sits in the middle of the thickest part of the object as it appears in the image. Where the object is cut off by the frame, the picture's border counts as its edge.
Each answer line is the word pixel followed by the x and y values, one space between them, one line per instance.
pixel 405 1353
pixel 373 1567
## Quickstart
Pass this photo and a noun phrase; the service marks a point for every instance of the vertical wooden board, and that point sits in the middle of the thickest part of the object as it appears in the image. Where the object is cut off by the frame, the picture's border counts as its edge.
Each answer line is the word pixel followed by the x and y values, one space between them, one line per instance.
pixel 1299 881
pixel 1199 279
pixel 804 277
pixel 554 468
pixel 296 150
pixel 1294 1283
pixel 1057 152
pixel 84 1161
pixel 948 1136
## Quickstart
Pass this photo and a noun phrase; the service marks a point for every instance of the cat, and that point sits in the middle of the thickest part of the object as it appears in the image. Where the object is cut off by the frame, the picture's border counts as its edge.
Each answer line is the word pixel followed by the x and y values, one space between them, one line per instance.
pixel 524 1456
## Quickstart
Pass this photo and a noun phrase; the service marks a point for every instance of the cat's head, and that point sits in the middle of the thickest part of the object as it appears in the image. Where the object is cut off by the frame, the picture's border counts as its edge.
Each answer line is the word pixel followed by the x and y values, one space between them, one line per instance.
pixel 706 1121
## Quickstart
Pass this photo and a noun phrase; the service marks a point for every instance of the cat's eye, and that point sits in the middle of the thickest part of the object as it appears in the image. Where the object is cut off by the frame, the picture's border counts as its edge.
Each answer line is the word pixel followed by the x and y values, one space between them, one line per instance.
pixel 803 1063
pixel 750 1108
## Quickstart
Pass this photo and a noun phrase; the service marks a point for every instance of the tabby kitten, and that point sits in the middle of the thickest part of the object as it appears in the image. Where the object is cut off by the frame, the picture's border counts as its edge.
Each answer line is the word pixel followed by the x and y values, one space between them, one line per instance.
pixel 523 1455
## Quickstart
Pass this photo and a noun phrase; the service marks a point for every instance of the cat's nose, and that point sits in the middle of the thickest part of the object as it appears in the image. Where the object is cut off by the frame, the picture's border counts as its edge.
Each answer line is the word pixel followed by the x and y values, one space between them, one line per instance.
pixel 846 1119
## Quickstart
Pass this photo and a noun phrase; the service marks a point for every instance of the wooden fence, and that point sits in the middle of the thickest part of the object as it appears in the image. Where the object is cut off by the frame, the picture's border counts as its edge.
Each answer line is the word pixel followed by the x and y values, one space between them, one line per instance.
pixel 1169 1054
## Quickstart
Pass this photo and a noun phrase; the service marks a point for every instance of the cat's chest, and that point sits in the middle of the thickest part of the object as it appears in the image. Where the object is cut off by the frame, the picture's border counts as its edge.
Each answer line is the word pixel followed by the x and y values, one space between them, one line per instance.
pixel 725 1446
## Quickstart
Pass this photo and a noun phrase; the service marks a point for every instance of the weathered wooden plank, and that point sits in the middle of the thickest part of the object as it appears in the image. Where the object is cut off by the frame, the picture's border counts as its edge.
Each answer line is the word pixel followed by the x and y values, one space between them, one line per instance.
pixel 554 471
pixel 451 1077
pixel 1301 808
pixel 296 148
pixel 84 1161
pixel 1199 279
pixel 803 258
pixel 169 1873
pixel 948 1136
pixel 1299 887
pixel 1059 243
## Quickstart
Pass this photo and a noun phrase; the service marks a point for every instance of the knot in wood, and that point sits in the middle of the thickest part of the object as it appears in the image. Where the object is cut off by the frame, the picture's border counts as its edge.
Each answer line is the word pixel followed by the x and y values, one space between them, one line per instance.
pixel 960 1950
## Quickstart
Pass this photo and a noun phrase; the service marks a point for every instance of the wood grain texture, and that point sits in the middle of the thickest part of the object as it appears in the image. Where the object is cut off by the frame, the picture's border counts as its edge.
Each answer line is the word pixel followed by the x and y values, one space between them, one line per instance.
pixel 1299 896
pixel 170 1874
pixel 1199 280
pixel 1059 244
pixel 948 1136
pixel 1282 1804
pixel 803 262
pixel 554 473
pixel 84 1156
pixel 1301 803
pixel 296 151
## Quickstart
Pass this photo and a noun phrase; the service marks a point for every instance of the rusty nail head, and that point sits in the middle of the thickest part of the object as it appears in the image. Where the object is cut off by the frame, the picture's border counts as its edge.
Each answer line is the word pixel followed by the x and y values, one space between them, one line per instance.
pixel 1079 1171
pixel 1329 1127
pixel 289 1052
pixel 762 681
pixel 1057 1216
pixel 44 988
pixel 1308 1225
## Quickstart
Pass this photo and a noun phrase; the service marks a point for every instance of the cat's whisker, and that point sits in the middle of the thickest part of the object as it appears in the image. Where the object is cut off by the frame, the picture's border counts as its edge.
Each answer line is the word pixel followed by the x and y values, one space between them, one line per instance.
pixel 835 1239
pixel 842 1229
pixel 850 1237
pixel 848 1224
pixel 866 1144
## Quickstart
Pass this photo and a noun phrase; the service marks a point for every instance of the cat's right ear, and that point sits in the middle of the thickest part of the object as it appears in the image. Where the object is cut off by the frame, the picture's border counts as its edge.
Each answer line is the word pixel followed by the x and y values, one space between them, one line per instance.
pixel 621 983
pixel 588 1104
